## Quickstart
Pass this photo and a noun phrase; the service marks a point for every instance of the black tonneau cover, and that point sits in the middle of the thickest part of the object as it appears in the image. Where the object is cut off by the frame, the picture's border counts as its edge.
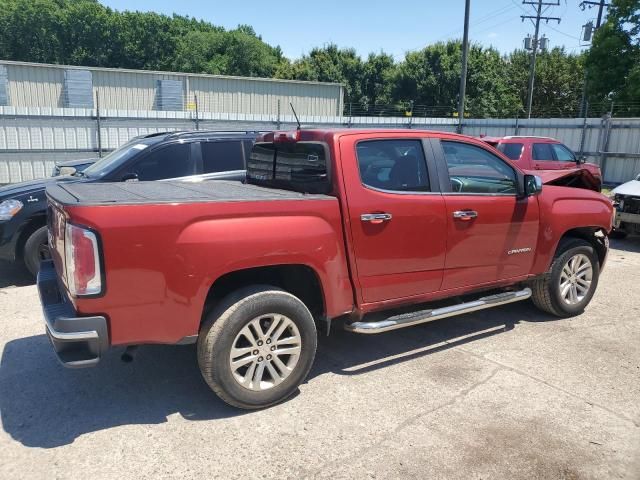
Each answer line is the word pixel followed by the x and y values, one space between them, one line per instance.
pixel 135 193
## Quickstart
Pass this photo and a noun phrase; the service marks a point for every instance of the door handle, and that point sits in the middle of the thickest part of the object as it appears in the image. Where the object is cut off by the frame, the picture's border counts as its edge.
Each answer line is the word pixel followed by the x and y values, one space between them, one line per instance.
pixel 465 214
pixel 375 218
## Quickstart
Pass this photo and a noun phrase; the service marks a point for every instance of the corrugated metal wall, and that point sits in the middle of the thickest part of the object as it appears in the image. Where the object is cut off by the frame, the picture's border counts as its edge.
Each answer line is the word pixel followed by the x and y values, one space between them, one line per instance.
pixel 35 85
pixel 32 138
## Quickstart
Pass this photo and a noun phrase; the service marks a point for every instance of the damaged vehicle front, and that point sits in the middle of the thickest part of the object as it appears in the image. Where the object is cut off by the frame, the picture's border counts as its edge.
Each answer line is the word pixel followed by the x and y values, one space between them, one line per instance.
pixel 626 200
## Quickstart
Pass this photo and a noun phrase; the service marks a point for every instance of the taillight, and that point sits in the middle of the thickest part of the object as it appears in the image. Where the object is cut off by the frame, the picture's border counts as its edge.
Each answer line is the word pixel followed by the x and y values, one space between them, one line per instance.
pixel 82 261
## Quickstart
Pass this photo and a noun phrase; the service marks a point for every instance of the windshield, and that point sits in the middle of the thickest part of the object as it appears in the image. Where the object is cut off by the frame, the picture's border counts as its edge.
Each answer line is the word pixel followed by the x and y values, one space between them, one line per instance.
pixel 119 156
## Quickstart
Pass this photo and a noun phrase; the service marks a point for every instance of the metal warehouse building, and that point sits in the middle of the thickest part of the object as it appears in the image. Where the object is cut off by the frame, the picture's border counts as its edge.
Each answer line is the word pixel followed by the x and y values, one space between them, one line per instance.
pixel 60 86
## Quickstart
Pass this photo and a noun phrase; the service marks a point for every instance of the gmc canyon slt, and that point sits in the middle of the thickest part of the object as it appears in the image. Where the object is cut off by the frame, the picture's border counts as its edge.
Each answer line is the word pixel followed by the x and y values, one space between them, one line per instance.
pixel 372 229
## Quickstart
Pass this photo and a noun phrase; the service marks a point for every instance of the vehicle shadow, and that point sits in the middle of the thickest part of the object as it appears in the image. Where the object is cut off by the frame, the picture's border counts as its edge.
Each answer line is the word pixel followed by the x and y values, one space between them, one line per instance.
pixel 629 244
pixel 45 405
pixel 14 275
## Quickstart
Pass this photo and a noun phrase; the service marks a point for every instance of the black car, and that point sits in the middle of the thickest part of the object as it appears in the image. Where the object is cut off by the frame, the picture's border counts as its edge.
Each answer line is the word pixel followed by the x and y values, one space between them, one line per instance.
pixel 188 156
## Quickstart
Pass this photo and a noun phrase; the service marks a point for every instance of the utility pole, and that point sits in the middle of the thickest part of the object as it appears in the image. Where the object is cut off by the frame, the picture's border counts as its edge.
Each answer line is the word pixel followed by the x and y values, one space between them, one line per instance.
pixel 534 47
pixel 601 4
pixel 463 75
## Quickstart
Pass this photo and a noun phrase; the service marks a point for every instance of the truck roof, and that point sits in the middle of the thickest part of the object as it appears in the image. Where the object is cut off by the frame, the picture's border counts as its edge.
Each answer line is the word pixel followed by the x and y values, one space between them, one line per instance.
pixel 320 134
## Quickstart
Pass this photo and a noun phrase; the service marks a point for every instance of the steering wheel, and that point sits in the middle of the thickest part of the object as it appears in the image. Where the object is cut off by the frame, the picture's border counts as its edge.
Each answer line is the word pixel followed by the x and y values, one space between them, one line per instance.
pixel 456 184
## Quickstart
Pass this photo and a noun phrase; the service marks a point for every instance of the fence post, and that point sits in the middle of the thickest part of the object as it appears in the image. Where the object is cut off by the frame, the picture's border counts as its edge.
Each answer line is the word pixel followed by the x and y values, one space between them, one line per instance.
pixel 99 129
pixel 583 134
pixel 517 128
pixel 350 114
pixel 606 130
pixel 278 117
pixel 195 100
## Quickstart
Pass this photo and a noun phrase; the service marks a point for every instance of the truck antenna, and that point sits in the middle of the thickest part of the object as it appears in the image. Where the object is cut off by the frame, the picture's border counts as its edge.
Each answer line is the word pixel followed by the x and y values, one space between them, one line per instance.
pixel 295 114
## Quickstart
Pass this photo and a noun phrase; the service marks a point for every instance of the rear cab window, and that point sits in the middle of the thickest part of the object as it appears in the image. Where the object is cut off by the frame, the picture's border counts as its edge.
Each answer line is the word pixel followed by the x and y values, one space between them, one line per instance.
pixel 297 166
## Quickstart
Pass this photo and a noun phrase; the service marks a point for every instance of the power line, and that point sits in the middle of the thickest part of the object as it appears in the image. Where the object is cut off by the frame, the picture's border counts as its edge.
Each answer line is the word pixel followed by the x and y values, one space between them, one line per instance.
pixel 539 4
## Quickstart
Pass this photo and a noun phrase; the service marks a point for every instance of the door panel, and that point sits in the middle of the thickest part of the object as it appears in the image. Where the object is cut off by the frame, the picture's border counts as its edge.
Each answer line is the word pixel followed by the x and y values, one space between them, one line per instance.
pixel 491 234
pixel 498 243
pixel 400 254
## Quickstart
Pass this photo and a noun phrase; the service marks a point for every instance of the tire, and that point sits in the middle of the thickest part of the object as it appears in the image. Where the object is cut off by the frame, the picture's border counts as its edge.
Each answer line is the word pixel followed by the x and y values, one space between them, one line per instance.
pixel 226 331
pixel 36 249
pixel 549 290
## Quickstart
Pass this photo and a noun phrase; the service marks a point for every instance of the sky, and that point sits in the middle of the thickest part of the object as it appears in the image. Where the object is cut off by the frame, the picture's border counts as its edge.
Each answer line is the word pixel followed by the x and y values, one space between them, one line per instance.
pixel 392 26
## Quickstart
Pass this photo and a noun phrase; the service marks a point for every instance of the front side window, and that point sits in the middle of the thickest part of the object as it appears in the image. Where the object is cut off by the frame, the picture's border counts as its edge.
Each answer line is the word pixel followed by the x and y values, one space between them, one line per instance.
pixel 562 153
pixel 222 156
pixel 511 150
pixel 475 170
pixel 541 151
pixel 172 161
pixel 394 165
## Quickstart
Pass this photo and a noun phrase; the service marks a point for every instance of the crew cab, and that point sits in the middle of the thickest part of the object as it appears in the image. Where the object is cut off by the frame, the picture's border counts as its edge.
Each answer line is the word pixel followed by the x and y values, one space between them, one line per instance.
pixel 545 153
pixel 371 229
pixel 189 156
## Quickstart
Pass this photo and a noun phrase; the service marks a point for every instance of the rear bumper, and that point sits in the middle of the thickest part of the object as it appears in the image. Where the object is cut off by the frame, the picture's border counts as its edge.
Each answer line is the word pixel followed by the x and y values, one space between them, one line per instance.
pixel 78 341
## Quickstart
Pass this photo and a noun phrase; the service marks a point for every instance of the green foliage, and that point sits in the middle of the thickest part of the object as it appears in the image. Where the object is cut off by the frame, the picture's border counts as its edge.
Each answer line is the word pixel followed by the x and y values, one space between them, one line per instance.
pixel 84 32
pixel 613 62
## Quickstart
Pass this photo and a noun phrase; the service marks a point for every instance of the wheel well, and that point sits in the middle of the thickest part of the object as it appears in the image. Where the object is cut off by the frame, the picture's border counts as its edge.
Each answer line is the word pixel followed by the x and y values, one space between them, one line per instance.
pixel 299 280
pixel 594 235
pixel 33 224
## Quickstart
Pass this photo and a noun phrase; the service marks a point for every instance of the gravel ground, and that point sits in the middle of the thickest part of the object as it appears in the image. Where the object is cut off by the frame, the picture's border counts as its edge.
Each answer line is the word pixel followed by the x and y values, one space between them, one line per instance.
pixel 504 393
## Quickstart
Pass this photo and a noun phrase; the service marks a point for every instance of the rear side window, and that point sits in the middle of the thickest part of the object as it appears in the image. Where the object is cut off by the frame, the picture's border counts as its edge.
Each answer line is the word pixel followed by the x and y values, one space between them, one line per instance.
pixel 511 150
pixel 394 165
pixel 300 166
pixel 542 151
pixel 171 161
pixel 562 153
pixel 222 156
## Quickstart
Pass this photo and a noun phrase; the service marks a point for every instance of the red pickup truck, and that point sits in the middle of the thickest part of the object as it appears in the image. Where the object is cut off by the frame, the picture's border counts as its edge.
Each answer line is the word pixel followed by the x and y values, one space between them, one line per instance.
pixel 544 153
pixel 376 229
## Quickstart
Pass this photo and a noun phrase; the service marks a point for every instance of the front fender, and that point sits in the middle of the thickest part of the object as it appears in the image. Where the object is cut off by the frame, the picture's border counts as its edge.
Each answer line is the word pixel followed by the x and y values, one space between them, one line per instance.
pixel 563 210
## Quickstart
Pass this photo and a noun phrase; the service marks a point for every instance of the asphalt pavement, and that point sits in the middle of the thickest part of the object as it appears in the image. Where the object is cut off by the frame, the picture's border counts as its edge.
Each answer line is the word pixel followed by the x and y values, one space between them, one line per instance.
pixel 505 393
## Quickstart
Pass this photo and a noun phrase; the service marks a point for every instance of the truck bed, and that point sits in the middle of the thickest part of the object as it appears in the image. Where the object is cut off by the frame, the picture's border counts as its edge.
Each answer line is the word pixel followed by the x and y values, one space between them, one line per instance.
pixel 141 193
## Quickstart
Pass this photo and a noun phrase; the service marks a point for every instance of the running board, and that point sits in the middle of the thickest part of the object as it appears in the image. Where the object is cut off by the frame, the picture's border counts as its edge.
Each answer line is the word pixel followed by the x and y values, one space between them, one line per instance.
pixel 423 316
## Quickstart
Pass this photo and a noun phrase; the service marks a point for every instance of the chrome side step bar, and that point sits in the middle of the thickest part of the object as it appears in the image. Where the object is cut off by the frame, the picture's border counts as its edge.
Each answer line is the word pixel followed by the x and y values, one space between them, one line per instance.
pixel 423 316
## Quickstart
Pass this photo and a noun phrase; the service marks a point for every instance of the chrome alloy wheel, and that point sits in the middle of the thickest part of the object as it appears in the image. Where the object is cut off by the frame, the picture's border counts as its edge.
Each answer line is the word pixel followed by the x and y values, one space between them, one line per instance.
pixel 575 279
pixel 265 352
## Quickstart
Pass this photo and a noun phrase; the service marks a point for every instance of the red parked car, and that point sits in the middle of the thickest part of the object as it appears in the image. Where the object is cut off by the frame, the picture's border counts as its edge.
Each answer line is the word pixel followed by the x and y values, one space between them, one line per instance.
pixel 330 225
pixel 544 153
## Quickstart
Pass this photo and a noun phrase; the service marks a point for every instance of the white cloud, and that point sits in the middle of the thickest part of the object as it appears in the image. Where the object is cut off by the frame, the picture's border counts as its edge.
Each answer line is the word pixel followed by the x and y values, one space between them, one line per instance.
pixel 492 35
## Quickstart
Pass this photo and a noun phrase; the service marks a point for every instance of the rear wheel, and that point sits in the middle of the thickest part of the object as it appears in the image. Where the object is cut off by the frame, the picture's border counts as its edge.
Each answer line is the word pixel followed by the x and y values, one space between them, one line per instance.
pixel 257 346
pixel 36 249
pixel 568 287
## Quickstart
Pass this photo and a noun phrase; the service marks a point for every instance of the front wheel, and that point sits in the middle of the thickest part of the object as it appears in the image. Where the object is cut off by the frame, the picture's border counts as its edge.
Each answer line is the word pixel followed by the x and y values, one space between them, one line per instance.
pixel 568 287
pixel 257 346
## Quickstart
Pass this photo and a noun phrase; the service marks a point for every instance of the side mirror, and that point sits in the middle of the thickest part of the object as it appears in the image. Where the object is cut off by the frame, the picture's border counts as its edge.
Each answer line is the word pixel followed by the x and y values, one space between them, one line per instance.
pixel 532 185
pixel 130 177
pixel 581 159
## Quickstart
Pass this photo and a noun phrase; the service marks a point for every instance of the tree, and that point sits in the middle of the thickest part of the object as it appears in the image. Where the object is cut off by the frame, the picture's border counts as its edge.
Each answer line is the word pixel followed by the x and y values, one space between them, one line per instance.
pixel 329 64
pixel 558 84
pixel 613 61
